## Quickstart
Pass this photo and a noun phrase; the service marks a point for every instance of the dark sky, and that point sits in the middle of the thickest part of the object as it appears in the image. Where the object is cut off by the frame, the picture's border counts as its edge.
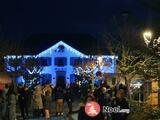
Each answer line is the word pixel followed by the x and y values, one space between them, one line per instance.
pixel 22 18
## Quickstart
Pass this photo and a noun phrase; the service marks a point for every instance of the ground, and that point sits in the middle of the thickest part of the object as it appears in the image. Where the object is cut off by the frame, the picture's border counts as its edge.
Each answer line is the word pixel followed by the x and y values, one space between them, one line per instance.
pixel 73 117
pixel 54 117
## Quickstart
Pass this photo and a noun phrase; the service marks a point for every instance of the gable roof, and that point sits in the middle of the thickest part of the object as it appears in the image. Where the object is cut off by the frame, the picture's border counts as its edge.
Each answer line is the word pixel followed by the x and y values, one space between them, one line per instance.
pixel 65 45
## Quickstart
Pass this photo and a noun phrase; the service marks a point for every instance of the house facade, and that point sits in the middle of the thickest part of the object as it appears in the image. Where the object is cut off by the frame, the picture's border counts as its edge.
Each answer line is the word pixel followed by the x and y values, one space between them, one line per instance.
pixel 60 59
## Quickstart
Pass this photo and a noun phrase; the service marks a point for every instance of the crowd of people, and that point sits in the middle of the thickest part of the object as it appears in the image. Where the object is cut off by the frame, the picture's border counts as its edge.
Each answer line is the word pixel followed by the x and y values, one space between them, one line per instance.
pixel 14 98
pixel 105 96
pixel 21 98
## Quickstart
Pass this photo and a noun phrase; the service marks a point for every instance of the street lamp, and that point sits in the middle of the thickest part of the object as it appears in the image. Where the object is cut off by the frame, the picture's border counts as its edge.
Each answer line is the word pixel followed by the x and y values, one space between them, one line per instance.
pixel 153 44
pixel 147 37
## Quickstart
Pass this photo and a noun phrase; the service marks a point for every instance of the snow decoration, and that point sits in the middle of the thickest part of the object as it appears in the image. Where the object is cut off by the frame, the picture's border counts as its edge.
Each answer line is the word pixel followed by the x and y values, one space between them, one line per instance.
pixel 35 70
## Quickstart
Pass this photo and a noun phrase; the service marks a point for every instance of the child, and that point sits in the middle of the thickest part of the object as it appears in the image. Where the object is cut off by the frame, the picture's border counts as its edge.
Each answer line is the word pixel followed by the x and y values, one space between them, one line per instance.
pixel 47 104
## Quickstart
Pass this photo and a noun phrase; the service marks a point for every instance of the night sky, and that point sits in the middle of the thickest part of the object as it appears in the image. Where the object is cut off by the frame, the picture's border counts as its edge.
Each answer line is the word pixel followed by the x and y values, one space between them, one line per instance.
pixel 22 19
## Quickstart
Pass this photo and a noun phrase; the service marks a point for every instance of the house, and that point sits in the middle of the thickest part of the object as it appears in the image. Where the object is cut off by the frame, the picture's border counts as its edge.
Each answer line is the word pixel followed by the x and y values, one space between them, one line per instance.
pixel 60 59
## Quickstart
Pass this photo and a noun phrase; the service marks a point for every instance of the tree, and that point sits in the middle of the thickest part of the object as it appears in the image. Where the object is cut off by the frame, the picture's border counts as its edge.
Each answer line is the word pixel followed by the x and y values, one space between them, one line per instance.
pixel 89 70
pixel 132 61
pixel 149 68
pixel 84 69
pixel 126 64
pixel 127 44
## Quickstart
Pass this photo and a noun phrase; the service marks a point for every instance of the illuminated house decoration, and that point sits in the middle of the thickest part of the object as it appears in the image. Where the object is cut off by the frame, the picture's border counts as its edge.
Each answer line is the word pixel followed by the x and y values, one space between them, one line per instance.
pixel 60 59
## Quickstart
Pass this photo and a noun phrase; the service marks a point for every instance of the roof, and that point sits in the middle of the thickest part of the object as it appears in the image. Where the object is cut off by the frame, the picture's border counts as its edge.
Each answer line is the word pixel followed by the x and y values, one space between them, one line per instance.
pixel 65 45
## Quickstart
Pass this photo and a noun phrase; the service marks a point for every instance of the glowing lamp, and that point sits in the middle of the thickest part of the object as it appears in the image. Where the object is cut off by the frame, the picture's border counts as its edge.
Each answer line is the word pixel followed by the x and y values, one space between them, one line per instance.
pixel 147 37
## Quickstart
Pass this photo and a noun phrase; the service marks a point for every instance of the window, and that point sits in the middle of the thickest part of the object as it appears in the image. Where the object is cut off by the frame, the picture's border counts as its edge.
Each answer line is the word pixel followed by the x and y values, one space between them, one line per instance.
pixel 45 61
pixel 61 61
pixel 75 61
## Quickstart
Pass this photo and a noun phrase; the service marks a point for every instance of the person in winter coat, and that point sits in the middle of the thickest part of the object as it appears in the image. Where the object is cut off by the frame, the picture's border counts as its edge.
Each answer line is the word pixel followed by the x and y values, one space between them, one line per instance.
pixel 4 105
pixel 22 101
pixel 69 98
pixel 59 96
pixel 104 98
pixel 12 97
pixel 1 104
pixel 83 116
pixel 37 101
pixel 27 98
pixel 120 101
pixel 47 104
pixel 47 88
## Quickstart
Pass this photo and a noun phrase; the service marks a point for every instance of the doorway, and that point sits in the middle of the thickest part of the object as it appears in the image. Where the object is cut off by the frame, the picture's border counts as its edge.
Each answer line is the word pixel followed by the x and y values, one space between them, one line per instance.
pixel 61 79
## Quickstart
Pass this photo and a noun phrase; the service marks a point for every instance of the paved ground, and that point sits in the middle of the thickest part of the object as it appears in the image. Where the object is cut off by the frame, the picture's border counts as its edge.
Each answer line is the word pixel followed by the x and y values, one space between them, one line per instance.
pixel 54 117
pixel 73 117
